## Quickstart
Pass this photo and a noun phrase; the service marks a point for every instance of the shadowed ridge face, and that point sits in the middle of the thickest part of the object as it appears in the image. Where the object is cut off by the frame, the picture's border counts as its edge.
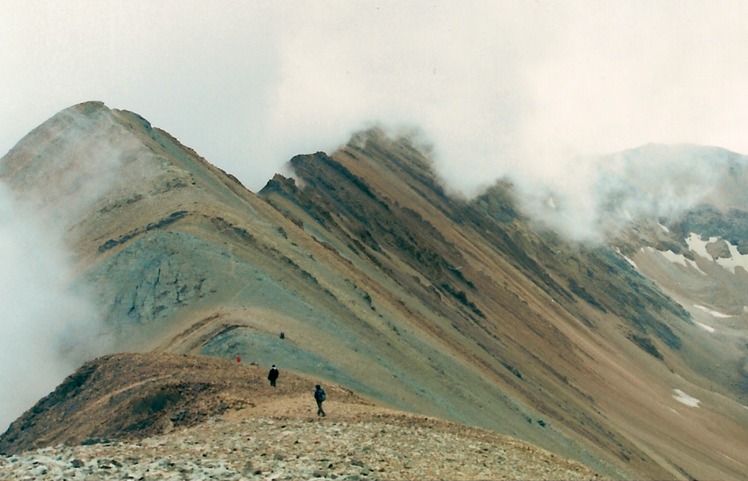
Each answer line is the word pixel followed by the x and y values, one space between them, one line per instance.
pixel 385 284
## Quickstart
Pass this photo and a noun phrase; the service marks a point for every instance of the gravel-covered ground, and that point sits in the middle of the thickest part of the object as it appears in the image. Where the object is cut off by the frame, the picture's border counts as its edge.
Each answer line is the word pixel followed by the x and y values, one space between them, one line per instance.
pixel 352 442
pixel 238 427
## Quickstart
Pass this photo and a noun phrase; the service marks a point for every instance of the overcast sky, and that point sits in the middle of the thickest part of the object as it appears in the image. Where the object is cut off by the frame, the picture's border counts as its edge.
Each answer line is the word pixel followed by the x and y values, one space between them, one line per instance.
pixel 498 86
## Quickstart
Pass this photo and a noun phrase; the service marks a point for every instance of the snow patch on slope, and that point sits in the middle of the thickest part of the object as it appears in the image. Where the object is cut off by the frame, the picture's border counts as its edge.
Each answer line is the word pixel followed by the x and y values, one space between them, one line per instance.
pixel 711 312
pixel 705 327
pixel 735 260
pixel 677 259
pixel 684 398
pixel 631 261
pixel 731 263
pixel 698 246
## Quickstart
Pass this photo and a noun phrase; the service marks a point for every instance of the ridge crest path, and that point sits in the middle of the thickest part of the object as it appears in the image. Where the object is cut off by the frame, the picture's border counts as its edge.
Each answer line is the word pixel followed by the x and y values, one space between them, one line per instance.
pixel 264 433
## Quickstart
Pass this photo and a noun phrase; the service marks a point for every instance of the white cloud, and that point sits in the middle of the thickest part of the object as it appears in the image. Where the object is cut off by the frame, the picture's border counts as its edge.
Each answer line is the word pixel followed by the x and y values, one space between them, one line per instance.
pixel 48 328
pixel 524 87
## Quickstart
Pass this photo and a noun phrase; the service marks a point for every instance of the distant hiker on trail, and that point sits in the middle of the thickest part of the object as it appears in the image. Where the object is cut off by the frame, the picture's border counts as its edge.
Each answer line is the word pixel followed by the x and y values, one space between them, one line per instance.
pixel 319 396
pixel 273 375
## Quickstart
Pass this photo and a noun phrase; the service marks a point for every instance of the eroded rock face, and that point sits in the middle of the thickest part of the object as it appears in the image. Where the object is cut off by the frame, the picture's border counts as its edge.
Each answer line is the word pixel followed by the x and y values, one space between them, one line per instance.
pixel 718 249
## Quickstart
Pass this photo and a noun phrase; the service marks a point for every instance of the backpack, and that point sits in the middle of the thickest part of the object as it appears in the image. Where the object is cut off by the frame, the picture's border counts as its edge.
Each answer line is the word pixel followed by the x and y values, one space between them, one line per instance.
pixel 319 395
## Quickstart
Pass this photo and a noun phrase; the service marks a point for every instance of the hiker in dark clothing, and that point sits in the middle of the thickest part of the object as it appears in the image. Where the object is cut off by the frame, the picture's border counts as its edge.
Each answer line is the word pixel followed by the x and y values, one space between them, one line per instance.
pixel 319 396
pixel 273 375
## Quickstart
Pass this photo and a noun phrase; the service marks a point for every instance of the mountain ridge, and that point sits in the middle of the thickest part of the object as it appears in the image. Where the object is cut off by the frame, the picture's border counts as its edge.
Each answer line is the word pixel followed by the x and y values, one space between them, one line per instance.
pixel 205 417
pixel 384 283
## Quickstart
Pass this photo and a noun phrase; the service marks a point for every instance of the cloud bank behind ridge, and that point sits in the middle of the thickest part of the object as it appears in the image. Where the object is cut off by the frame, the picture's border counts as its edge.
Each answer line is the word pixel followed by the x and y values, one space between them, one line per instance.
pixel 510 87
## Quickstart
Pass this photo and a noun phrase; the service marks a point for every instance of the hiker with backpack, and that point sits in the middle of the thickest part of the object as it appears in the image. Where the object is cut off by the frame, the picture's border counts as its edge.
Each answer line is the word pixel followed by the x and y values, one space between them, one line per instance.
pixel 319 396
pixel 273 375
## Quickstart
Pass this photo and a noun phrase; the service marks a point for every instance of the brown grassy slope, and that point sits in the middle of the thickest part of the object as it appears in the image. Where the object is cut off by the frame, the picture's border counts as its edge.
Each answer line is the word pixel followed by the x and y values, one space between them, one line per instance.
pixel 116 400
pixel 131 396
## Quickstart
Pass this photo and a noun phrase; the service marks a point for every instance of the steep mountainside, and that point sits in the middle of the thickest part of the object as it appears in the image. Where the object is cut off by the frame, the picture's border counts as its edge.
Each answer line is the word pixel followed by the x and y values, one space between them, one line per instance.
pixel 383 283
pixel 596 320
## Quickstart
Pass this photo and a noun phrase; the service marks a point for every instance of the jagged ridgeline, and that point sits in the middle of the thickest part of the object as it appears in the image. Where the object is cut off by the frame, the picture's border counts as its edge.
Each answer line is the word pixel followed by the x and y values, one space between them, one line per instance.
pixel 384 283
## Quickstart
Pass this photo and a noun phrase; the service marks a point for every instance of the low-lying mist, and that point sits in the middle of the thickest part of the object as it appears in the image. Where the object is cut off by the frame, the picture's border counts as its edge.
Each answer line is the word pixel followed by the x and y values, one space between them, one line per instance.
pixel 49 325
pixel 600 196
